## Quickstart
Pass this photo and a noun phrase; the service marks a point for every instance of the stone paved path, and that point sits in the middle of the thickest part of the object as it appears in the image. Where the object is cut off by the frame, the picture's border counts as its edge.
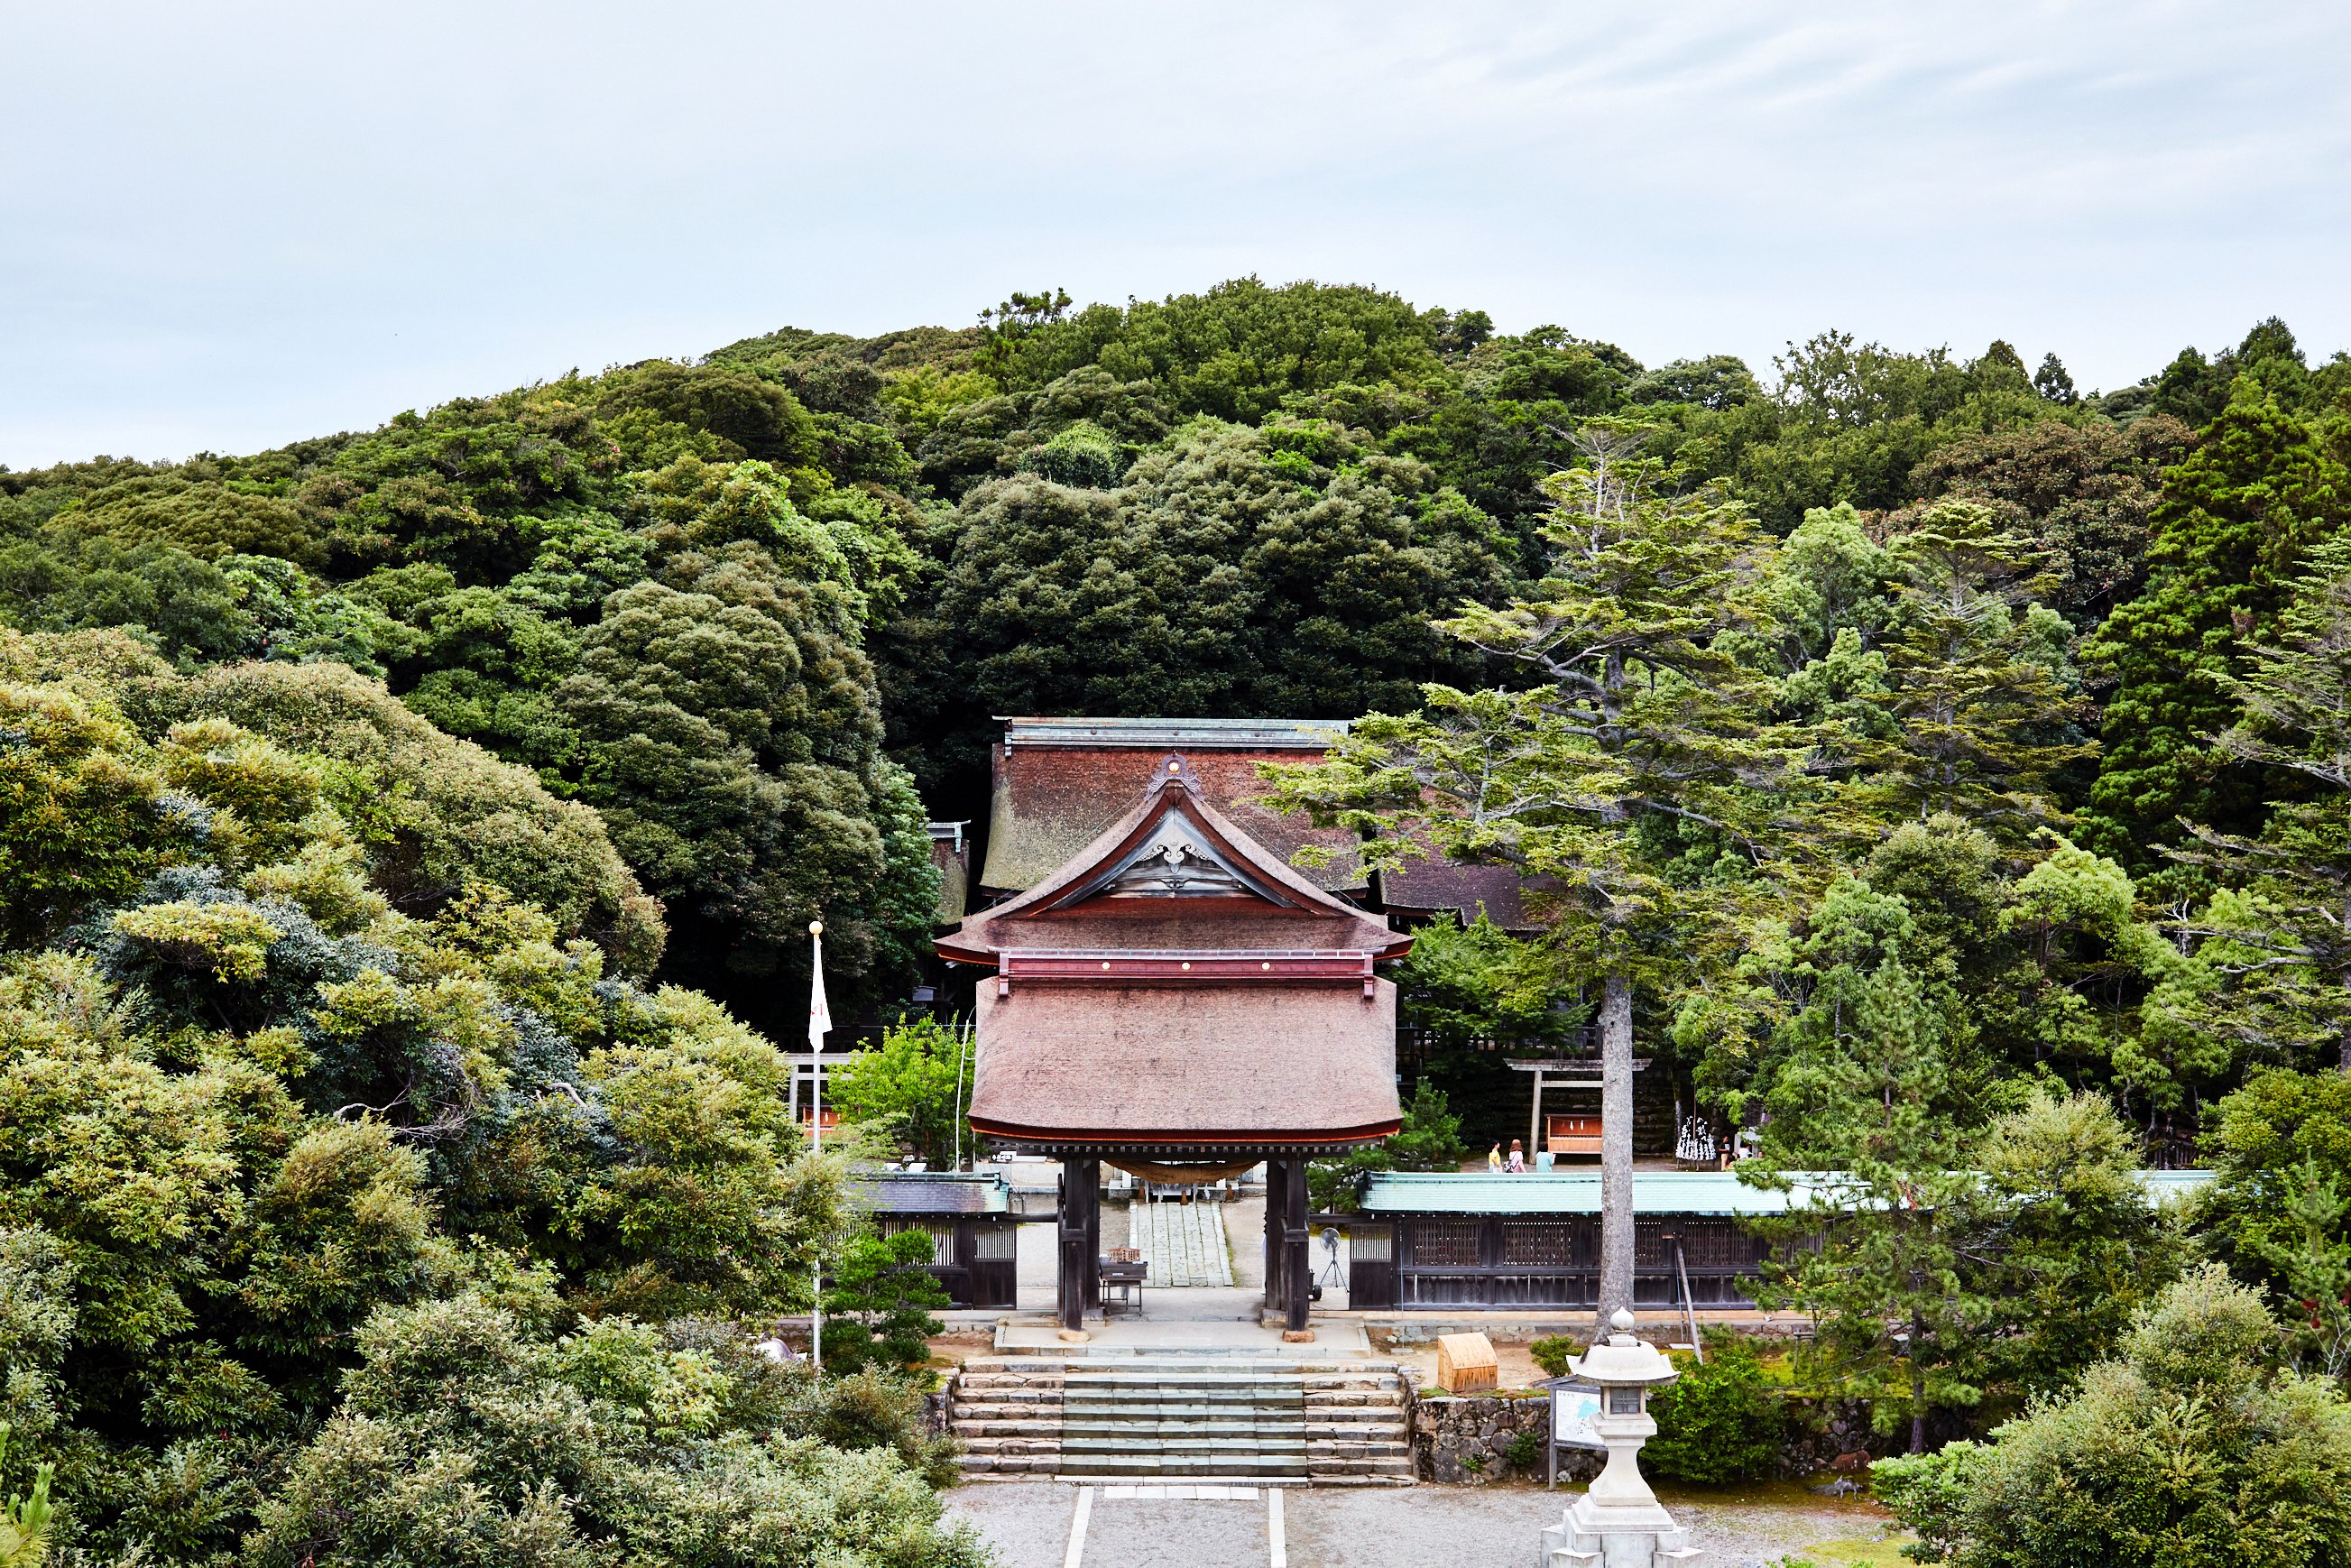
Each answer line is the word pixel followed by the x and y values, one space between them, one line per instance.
pixel 1035 1524
pixel 1185 1242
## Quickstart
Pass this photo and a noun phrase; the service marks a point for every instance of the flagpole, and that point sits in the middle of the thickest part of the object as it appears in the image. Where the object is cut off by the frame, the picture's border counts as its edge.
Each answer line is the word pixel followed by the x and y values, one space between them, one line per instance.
pixel 820 1021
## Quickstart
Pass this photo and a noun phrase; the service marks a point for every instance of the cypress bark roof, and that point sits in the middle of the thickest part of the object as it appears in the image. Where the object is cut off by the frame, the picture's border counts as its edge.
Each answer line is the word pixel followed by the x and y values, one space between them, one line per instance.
pixel 1430 886
pixel 1245 896
pixel 1175 985
pixel 1057 782
pixel 1190 1066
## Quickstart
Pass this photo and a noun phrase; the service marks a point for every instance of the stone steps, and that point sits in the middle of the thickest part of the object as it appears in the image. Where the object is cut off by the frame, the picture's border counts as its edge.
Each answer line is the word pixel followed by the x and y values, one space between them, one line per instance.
pixel 1189 1415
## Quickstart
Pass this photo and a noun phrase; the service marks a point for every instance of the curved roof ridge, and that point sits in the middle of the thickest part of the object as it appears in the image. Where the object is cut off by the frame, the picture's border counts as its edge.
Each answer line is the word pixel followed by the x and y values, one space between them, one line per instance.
pixel 1173 775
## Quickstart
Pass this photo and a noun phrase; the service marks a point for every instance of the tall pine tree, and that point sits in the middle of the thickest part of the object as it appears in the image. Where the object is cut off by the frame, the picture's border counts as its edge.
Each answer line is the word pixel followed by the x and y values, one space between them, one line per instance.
pixel 2278 940
pixel 1633 773
pixel 2238 520
pixel 1980 705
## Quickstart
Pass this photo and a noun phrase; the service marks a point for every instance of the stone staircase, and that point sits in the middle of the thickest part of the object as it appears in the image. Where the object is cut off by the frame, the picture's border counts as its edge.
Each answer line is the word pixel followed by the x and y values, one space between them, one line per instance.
pixel 1182 1415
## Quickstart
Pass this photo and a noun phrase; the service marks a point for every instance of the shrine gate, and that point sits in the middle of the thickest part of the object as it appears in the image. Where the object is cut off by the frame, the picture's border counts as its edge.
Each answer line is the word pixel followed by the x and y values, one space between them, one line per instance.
pixel 1173 999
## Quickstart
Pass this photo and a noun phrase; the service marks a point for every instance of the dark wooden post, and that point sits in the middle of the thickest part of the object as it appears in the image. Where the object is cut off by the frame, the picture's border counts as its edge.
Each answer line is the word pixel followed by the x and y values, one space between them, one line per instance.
pixel 1272 1235
pixel 1298 1274
pixel 1080 1179
pixel 1093 1235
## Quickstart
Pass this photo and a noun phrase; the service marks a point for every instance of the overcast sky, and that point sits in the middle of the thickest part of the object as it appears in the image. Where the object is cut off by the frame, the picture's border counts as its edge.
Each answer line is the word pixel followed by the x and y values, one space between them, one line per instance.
pixel 225 226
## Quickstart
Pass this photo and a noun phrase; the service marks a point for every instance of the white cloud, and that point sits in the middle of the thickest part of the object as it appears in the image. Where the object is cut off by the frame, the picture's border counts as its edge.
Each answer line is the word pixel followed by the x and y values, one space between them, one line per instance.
pixel 229 226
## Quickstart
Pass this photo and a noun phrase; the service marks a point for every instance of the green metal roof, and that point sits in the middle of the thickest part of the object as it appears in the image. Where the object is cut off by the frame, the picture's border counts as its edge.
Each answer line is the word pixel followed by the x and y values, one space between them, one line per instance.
pixel 1653 1192
pixel 931 1192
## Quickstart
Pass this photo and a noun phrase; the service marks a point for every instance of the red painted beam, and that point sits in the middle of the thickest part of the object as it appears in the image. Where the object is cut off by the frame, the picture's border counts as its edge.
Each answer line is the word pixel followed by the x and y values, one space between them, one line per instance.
pixel 1182 969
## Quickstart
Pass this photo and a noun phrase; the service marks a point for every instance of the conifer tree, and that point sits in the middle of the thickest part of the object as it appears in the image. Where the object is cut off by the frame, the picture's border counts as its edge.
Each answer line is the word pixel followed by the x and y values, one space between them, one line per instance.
pixel 1630 774
pixel 1862 1092
pixel 2236 523
pixel 2278 941
pixel 1979 707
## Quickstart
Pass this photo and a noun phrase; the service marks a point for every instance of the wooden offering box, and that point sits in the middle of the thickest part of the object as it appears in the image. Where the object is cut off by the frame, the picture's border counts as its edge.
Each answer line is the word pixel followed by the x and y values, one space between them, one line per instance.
pixel 1576 1132
pixel 1465 1363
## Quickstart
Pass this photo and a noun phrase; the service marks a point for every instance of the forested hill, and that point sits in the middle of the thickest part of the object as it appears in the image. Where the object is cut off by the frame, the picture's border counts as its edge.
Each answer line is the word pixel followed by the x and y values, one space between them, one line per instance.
pixel 756 610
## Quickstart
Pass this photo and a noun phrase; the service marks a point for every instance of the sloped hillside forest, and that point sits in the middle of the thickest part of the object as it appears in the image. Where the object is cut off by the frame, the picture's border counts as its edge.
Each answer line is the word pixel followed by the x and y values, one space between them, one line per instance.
pixel 409 837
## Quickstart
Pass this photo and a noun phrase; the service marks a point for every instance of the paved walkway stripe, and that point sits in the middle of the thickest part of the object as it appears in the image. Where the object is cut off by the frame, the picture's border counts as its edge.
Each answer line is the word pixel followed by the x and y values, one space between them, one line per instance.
pixel 1077 1552
pixel 1273 1528
pixel 1185 1242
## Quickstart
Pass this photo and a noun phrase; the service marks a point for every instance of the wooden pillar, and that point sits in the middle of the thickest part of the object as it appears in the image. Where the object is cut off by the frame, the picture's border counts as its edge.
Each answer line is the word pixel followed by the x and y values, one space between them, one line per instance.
pixel 1275 1172
pixel 1094 1236
pixel 1298 1272
pixel 1534 1121
pixel 1080 1205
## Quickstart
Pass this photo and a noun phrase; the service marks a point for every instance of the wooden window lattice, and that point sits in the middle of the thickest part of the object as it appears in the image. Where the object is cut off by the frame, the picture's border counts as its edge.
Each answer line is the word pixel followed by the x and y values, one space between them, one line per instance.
pixel 1447 1243
pixel 1539 1244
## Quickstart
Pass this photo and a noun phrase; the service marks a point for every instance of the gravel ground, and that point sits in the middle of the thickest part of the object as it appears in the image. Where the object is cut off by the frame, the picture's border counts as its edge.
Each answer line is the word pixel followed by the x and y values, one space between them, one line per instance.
pixel 1425 1527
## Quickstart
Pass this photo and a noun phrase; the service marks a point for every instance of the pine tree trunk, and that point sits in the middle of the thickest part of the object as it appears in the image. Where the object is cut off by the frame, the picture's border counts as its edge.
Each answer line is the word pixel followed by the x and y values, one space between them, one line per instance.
pixel 1918 1388
pixel 1616 1146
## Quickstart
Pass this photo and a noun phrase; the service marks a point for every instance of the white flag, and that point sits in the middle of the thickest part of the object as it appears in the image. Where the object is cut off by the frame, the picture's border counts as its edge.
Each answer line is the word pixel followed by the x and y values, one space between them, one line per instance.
pixel 819 1011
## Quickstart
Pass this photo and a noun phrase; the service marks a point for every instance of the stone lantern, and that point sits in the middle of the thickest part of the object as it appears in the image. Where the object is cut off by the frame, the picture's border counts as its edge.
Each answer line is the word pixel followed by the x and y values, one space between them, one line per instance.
pixel 1618 1522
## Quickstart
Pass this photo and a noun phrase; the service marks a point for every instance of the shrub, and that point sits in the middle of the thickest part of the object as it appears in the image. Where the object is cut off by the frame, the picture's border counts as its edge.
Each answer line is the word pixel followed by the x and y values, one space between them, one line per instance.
pixel 879 1299
pixel 1719 1422
pixel 1929 1493
pixel 1551 1353
pixel 910 1088
pixel 870 1410
pixel 2190 1447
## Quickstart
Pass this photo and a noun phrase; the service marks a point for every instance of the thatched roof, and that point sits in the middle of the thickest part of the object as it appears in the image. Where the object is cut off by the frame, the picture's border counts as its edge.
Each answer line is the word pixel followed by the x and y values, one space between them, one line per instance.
pixel 1187 1068
pixel 1058 782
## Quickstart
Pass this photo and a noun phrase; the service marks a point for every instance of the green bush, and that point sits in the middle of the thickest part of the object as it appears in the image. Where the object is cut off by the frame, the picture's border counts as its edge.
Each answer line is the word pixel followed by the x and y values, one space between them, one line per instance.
pixel 909 1089
pixel 1929 1493
pixel 1551 1353
pixel 1719 1422
pixel 878 1298
pixel 2191 1446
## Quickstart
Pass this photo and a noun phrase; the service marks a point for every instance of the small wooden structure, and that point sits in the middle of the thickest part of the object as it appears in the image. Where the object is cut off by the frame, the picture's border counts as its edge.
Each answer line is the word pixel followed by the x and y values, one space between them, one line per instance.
pixel 1571 1133
pixel 1466 1363
pixel 1454 1242
pixel 968 1220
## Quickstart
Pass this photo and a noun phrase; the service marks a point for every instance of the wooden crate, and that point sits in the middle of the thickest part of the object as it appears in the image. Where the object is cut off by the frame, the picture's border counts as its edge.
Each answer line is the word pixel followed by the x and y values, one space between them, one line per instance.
pixel 1465 1363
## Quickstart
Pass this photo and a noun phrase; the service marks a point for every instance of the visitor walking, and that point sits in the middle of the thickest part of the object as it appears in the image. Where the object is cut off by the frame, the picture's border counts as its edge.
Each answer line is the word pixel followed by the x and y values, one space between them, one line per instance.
pixel 1518 1157
pixel 1494 1160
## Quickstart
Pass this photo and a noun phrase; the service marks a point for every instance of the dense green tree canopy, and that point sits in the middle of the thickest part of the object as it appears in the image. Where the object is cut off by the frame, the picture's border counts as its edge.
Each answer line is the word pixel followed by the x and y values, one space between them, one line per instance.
pixel 2237 523
pixel 311 1013
pixel 1937 761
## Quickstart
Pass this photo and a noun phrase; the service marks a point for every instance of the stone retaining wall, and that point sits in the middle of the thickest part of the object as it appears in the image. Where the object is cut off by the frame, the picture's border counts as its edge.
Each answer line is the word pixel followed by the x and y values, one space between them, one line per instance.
pixel 1466 1440
pixel 1822 1432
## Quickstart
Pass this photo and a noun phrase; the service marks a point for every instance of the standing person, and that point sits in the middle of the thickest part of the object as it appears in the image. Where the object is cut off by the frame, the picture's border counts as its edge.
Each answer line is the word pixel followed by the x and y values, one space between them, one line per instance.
pixel 1518 1157
pixel 1494 1160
